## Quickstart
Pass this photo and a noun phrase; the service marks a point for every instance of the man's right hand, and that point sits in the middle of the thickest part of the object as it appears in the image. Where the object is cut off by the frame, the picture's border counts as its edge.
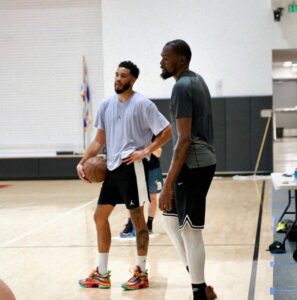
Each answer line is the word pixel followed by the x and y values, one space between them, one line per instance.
pixel 81 174
pixel 166 198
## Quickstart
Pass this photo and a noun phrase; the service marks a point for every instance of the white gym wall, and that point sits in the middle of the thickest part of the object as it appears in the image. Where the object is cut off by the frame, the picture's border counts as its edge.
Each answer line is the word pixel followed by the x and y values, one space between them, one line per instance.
pixel 41 47
pixel 41 44
pixel 230 41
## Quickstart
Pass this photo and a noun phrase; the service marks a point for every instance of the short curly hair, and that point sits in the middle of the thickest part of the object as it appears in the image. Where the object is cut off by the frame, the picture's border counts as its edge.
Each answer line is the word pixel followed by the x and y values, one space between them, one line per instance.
pixel 131 67
pixel 180 47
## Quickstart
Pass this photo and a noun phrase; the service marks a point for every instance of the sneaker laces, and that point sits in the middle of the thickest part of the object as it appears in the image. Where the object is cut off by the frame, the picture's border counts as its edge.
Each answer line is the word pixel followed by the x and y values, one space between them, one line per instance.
pixel 95 272
pixel 134 272
pixel 137 273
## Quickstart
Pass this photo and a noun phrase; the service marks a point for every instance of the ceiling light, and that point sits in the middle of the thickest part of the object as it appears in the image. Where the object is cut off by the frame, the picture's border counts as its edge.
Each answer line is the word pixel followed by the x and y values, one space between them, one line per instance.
pixel 294 66
pixel 287 64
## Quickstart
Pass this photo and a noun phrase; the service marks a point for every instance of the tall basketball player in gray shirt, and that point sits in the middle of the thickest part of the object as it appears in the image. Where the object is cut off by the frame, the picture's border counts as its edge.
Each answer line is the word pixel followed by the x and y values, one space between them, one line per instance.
pixel 125 124
pixel 192 168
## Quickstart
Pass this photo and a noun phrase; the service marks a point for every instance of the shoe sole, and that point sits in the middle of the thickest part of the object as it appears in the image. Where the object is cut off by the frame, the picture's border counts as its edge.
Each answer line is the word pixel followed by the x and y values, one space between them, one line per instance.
pixel 94 286
pixel 143 286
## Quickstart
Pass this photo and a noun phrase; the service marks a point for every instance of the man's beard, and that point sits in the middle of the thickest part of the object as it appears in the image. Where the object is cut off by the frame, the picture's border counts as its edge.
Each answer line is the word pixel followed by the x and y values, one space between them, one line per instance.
pixel 123 89
pixel 165 74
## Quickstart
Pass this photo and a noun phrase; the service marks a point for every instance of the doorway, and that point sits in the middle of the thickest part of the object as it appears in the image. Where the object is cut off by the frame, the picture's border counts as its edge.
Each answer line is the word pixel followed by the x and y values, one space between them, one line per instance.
pixel 284 103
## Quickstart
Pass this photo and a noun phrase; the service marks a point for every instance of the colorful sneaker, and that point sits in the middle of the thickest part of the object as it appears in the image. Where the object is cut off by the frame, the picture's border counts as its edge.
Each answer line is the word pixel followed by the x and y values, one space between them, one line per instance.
pixel 96 280
pixel 210 294
pixel 128 230
pixel 139 280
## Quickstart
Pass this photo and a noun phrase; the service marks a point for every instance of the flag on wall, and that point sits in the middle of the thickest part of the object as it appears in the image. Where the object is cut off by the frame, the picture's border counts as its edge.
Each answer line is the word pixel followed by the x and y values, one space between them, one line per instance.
pixel 87 106
pixel 85 95
pixel 87 115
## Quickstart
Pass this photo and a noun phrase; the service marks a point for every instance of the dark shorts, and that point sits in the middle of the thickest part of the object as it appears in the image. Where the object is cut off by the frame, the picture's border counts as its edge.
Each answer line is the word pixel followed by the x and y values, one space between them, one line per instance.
pixel 127 185
pixel 155 180
pixel 190 196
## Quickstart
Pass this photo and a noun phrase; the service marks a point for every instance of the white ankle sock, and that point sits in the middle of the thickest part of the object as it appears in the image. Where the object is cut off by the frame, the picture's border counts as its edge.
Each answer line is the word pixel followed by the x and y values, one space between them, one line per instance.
pixel 171 225
pixel 102 265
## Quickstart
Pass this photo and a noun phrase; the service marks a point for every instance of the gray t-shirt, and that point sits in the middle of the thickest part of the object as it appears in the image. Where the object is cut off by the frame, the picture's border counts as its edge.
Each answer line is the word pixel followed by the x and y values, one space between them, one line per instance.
pixel 128 126
pixel 191 99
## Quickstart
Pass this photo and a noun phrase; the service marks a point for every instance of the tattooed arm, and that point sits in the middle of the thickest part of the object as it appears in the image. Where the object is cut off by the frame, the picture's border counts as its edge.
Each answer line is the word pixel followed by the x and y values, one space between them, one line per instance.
pixel 183 128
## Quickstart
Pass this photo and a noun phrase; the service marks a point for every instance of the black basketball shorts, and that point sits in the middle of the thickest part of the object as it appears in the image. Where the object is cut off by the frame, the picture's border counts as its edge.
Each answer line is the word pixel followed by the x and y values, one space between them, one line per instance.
pixel 127 185
pixel 190 192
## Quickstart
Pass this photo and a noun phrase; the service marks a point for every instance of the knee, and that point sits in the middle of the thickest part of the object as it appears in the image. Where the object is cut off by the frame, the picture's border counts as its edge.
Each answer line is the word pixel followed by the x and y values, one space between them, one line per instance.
pixel 170 222
pixel 191 234
pixel 99 219
pixel 153 199
pixel 96 218
pixel 137 216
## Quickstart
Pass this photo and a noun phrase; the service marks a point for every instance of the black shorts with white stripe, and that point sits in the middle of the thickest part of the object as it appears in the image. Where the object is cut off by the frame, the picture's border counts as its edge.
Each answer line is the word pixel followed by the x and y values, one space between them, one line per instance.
pixel 127 185
pixel 190 196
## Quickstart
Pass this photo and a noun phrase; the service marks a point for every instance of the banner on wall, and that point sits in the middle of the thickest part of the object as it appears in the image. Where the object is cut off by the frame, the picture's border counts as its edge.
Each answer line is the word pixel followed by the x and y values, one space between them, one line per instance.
pixel 87 107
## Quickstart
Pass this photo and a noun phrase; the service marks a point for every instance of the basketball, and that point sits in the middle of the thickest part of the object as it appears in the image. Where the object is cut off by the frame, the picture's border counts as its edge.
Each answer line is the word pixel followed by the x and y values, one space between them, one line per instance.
pixel 95 169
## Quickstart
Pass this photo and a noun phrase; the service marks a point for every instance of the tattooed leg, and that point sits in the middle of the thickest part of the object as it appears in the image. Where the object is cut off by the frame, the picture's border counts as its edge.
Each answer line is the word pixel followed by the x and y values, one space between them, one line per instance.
pixel 142 236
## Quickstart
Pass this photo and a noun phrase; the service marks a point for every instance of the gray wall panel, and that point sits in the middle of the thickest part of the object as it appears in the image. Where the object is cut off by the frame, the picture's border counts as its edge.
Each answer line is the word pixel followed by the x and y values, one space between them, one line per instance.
pixel 60 167
pixel 219 124
pixel 258 125
pixel 18 168
pixel 238 131
pixel 238 142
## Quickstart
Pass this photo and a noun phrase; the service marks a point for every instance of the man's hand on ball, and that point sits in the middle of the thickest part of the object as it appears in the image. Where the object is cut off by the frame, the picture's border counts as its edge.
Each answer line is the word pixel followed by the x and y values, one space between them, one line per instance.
pixel 81 174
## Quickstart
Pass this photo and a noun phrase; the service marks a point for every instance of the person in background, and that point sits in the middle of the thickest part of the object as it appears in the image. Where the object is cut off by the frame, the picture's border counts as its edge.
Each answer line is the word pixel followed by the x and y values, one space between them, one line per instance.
pixel 155 183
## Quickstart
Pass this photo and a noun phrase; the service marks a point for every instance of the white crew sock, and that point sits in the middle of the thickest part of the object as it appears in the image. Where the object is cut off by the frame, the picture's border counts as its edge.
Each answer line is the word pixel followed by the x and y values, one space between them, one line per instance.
pixel 141 262
pixel 194 245
pixel 171 225
pixel 102 265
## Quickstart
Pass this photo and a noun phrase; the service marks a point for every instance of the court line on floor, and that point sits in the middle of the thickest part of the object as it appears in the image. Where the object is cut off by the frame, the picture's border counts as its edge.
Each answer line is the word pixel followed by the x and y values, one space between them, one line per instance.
pixel 252 286
pixel 46 224
pixel 273 291
pixel 284 263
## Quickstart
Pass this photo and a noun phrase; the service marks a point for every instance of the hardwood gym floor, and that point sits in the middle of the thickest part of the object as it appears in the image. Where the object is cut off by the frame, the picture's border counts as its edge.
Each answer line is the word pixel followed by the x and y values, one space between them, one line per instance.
pixel 48 241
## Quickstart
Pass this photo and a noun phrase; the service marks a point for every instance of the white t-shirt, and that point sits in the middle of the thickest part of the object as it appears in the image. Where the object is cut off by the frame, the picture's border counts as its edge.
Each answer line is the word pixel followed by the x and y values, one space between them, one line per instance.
pixel 128 126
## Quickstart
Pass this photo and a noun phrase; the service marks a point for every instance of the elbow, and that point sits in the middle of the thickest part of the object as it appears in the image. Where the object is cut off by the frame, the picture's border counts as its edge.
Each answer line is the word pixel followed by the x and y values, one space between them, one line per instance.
pixel 185 141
